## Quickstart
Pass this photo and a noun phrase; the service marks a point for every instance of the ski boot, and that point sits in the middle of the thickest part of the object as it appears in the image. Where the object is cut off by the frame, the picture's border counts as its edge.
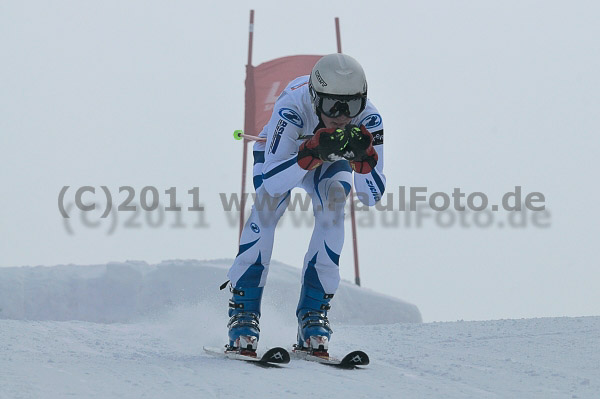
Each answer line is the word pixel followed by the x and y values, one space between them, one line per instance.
pixel 313 326
pixel 244 312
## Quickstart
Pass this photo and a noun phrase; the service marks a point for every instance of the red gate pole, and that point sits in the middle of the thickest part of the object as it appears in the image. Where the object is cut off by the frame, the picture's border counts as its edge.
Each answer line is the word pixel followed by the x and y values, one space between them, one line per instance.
pixel 337 35
pixel 352 213
pixel 248 118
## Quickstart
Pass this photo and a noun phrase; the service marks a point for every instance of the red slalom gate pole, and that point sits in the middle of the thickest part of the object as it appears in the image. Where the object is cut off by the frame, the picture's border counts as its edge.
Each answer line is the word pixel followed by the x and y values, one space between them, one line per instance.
pixel 352 213
pixel 248 118
pixel 337 35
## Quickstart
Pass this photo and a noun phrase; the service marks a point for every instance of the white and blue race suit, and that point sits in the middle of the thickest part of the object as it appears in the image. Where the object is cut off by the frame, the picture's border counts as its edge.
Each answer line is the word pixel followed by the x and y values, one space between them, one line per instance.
pixel 276 172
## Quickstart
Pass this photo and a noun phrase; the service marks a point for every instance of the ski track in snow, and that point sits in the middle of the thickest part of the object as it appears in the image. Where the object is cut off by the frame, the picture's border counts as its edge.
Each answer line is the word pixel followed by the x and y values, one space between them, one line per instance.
pixel 160 358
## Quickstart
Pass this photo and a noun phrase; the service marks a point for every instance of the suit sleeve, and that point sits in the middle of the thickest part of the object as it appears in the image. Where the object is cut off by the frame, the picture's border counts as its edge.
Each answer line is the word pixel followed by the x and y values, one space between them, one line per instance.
pixel 371 186
pixel 280 171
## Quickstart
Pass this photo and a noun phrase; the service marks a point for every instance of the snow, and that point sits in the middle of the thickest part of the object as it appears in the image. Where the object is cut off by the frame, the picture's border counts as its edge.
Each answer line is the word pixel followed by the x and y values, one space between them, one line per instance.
pixel 121 292
pixel 75 331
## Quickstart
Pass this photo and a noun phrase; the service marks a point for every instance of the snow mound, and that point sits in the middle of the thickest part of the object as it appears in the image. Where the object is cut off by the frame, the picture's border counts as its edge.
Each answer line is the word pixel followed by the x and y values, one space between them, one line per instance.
pixel 122 292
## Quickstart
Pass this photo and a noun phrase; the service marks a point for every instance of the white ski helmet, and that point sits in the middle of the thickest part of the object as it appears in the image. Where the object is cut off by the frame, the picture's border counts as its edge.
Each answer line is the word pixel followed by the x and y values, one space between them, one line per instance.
pixel 338 86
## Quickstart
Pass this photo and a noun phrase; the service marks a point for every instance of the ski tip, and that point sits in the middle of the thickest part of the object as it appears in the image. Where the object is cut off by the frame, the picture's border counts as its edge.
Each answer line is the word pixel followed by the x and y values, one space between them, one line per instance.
pixel 276 355
pixel 355 358
pixel 237 134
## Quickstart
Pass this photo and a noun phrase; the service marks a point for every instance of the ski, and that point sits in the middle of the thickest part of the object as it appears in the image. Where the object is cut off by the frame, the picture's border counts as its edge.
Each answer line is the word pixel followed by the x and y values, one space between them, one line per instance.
pixel 350 361
pixel 273 357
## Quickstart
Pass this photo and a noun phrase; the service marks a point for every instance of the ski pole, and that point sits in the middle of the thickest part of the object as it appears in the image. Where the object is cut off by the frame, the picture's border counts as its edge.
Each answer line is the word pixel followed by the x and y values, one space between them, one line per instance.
pixel 239 135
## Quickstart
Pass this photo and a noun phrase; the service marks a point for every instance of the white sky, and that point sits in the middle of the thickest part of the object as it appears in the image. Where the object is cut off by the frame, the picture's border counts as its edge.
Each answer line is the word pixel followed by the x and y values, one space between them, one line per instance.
pixel 478 95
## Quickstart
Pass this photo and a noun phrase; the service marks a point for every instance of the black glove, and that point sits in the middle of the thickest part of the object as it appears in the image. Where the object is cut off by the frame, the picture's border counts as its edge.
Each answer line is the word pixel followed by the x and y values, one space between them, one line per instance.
pixel 360 151
pixel 328 144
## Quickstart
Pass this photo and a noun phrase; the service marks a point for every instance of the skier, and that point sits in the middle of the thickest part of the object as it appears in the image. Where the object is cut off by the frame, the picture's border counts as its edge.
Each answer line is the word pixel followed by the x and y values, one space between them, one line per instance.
pixel 322 128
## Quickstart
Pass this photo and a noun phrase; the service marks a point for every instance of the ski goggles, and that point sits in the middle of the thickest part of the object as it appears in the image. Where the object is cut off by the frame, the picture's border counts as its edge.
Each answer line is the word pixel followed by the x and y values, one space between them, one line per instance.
pixel 334 106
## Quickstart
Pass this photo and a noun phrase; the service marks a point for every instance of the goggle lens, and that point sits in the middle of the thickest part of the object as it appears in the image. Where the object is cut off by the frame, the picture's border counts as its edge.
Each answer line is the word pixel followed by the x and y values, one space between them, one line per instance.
pixel 333 107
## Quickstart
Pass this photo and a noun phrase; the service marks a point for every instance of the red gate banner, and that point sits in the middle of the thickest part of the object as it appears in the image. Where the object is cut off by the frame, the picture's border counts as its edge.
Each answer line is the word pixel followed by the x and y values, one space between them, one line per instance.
pixel 265 82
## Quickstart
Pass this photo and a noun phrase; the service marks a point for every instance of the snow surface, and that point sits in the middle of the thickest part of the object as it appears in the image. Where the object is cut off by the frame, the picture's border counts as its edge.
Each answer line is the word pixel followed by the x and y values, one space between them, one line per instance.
pixel 48 351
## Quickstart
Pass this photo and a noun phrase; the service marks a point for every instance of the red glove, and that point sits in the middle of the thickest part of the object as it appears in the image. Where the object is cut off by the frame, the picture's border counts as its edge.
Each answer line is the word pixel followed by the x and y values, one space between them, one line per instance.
pixel 328 144
pixel 360 143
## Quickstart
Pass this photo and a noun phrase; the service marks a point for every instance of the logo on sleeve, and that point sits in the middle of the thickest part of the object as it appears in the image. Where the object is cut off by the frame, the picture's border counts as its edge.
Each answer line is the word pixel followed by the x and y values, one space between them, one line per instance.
pixel 378 137
pixel 277 136
pixel 371 121
pixel 291 116
pixel 373 190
